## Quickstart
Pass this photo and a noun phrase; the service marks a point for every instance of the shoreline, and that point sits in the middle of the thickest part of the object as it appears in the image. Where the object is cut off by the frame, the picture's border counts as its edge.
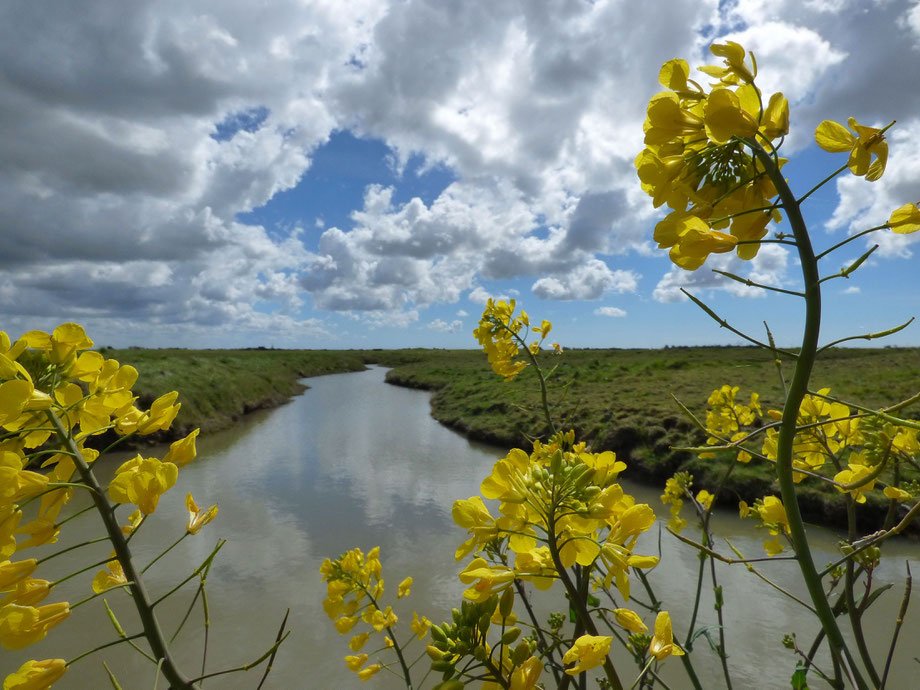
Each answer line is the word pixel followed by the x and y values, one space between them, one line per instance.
pixel 219 388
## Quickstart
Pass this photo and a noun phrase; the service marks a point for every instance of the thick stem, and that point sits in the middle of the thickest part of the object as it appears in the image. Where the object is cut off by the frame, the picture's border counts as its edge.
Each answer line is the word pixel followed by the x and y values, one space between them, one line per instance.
pixel 798 386
pixel 138 592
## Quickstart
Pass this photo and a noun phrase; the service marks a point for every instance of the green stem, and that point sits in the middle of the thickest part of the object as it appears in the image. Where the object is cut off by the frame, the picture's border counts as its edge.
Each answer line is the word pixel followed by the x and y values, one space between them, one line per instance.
pixel 168 549
pixel 899 621
pixel 798 386
pixel 850 239
pixel 577 603
pixel 103 646
pixel 71 548
pixel 854 613
pixel 138 592
pixel 821 184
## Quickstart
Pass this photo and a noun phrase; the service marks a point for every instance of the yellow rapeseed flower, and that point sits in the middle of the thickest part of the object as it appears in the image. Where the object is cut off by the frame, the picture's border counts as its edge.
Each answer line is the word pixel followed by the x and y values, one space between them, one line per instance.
pixel 36 675
pixel 905 220
pixel 21 626
pixel 196 517
pixel 662 645
pixel 868 142
pixel 589 651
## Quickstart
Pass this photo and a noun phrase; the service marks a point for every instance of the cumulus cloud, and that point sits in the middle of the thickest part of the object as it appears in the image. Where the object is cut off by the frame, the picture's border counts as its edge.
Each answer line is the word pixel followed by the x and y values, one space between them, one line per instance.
pixel 615 312
pixel 862 205
pixel 133 144
pixel 767 268
pixel 591 280
pixel 443 327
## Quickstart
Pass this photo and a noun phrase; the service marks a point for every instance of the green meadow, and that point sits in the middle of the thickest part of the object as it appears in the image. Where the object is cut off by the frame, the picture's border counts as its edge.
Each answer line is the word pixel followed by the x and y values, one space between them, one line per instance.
pixel 621 400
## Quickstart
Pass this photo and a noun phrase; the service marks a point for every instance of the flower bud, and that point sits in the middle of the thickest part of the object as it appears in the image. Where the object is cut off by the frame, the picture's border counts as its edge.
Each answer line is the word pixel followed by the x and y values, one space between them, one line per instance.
pixel 521 653
pixel 506 603
pixel 511 635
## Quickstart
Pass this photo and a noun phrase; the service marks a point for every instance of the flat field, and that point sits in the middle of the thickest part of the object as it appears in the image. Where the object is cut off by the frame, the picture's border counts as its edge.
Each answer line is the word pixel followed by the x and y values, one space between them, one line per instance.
pixel 617 400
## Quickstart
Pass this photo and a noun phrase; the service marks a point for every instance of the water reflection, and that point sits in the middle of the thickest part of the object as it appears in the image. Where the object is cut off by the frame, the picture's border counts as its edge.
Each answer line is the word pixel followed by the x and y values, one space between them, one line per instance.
pixel 355 462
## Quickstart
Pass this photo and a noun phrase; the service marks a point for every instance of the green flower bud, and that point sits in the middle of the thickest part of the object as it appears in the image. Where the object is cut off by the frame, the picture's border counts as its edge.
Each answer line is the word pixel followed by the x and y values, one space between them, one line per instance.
pixel 437 634
pixel 506 604
pixel 442 665
pixel 453 684
pixel 484 623
pixel 511 635
pixel 521 653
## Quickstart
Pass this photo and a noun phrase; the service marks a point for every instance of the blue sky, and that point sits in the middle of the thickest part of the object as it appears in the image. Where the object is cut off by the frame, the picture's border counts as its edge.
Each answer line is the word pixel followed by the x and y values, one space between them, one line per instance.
pixel 366 174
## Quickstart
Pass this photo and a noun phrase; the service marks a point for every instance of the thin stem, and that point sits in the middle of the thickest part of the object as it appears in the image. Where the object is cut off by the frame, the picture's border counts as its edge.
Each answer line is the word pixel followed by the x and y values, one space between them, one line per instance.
pixel 821 184
pixel 853 612
pixel 751 283
pixel 103 646
pixel 245 667
pixel 206 614
pixel 188 612
pixel 752 569
pixel 71 548
pixel 850 239
pixel 724 324
pixel 138 592
pixel 541 639
pixel 80 571
pixel 867 336
pixel 578 604
pixel 899 621
pixel 99 594
pixel 847 271
pixel 271 659
pixel 75 515
pixel 168 549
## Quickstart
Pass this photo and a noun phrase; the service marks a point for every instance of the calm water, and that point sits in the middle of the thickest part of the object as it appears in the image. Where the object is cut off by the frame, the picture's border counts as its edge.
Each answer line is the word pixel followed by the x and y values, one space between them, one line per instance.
pixel 356 462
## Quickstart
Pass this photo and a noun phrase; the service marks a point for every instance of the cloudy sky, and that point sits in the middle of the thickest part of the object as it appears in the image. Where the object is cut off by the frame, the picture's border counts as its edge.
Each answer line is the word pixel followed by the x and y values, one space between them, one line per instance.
pixel 320 173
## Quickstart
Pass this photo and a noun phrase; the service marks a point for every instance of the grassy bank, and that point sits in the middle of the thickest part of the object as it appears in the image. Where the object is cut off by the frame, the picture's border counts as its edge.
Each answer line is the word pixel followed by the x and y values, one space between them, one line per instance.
pixel 217 387
pixel 615 399
pixel 621 400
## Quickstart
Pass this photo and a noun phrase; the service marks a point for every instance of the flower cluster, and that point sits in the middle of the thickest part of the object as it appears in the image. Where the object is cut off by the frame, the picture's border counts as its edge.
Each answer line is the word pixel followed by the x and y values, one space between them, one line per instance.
pixel 726 416
pixel 697 158
pixel 462 646
pixel 354 586
pixel 825 430
pixel 55 390
pixel 771 513
pixel 560 495
pixel 502 334
pixel 675 490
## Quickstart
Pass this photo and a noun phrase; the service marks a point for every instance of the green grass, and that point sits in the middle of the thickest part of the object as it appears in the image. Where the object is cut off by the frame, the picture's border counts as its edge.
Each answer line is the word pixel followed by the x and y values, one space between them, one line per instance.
pixel 217 387
pixel 617 400
pixel 622 400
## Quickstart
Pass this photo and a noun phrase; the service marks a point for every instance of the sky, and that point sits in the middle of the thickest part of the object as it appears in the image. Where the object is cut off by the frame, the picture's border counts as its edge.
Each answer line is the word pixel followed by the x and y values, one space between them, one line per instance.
pixel 327 174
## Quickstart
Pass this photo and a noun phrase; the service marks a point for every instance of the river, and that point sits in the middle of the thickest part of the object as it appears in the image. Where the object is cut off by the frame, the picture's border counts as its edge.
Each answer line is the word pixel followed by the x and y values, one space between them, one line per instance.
pixel 356 462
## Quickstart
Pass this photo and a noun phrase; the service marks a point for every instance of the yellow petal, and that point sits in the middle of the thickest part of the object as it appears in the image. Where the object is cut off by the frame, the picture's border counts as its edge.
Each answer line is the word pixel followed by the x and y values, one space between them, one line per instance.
pixel 834 137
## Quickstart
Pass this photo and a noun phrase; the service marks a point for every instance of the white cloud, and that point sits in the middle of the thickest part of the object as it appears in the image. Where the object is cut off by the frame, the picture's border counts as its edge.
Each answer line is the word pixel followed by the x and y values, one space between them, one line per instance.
pixel 462 313
pixel 862 205
pixel 444 327
pixel 610 311
pixel 592 280
pixel 852 290
pixel 131 147
pixel 767 268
